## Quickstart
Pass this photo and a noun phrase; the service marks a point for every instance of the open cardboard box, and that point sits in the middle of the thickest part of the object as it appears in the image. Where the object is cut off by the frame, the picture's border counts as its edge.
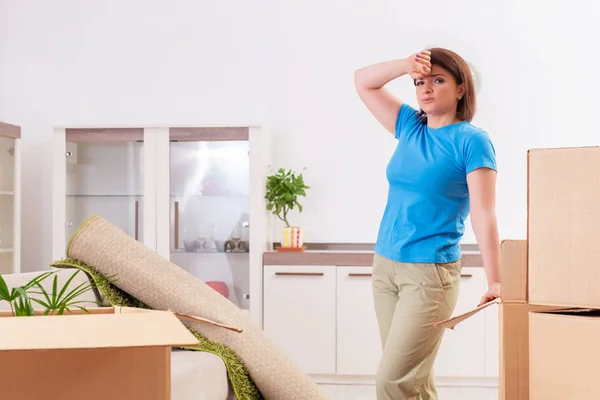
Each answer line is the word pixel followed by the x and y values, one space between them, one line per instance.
pixel 112 353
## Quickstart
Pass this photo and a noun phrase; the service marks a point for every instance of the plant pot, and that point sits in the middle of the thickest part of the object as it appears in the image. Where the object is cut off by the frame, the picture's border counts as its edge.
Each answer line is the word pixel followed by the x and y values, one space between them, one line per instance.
pixel 292 237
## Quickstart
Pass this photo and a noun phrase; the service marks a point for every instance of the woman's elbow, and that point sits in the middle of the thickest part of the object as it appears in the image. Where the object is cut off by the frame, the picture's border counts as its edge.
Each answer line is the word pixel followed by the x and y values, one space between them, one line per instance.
pixel 358 79
pixel 483 214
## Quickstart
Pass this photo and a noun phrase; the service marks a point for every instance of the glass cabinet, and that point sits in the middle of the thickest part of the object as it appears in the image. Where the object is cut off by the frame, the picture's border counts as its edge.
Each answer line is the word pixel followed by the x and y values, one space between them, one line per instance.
pixel 104 176
pixel 10 179
pixel 210 207
pixel 194 195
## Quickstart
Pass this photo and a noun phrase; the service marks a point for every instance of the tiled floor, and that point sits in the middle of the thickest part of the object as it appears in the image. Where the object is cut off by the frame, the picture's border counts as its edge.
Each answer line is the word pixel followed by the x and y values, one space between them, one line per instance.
pixel 356 392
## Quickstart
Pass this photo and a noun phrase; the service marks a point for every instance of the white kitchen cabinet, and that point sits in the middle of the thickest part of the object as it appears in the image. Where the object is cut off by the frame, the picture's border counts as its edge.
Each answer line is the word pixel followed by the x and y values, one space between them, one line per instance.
pixel 324 319
pixel 463 350
pixel 10 198
pixel 195 195
pixel 358 340
pixel 300 314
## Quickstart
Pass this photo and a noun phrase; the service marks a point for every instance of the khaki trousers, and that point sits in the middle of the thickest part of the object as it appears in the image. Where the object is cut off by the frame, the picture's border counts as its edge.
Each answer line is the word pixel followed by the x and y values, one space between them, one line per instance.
pixel 408 299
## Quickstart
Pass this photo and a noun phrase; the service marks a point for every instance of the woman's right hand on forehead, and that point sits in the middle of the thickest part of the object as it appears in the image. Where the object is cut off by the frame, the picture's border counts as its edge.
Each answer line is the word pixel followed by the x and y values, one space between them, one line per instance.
pixel 421 64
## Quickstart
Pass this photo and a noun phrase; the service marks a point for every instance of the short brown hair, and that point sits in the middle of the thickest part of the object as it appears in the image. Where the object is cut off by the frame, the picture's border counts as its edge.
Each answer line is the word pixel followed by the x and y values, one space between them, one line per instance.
pixel 459 69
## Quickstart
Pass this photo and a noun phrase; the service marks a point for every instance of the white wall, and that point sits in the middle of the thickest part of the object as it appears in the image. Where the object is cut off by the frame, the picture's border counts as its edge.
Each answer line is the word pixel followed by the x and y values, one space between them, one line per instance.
pixel 290 64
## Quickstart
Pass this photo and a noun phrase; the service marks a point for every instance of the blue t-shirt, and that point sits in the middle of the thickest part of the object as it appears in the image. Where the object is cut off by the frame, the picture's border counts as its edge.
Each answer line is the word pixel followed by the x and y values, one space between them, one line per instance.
pixel 428 198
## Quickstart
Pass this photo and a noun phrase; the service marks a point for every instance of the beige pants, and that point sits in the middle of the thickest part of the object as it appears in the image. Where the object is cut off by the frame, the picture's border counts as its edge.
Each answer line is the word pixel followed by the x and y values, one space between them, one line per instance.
pixel 408 299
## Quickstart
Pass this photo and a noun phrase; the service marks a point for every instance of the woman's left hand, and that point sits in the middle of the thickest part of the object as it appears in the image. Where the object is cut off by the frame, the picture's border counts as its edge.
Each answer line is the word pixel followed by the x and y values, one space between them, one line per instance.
pixel 494 292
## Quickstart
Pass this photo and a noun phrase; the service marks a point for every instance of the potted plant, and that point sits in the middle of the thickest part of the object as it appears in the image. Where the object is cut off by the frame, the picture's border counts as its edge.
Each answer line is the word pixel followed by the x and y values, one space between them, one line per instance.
pixel 283 189
pixel 59 301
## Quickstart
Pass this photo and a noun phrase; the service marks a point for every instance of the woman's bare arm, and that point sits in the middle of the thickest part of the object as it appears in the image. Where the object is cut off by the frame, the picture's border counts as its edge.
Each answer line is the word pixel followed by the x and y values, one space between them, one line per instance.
pixel 370 81
pixel 482 189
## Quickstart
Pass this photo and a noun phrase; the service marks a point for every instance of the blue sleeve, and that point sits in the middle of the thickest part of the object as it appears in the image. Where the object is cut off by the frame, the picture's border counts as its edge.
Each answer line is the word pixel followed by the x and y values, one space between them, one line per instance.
pixel 480 153
pixel 406 120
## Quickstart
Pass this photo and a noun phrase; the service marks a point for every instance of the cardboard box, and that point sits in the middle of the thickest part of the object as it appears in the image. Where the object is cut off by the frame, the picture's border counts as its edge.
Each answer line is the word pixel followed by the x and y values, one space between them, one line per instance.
pixel 514 349
pixel 114 353
pixel 514 270
pixel 564 226
pixel 564 355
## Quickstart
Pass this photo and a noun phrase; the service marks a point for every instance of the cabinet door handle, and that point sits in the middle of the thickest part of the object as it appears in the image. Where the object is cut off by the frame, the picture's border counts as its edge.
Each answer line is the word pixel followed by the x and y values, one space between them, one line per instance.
pixel 176 227
pixel 299 273
pixel 360 274
pixel 466 275
pixel 137 217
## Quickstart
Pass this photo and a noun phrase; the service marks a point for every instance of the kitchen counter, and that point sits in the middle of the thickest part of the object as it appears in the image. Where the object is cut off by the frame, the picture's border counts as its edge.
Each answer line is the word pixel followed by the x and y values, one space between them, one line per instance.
pixel 359 258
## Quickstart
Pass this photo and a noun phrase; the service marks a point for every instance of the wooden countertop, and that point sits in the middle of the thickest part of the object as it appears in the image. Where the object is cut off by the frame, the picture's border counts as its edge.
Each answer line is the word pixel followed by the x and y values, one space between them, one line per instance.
pixel 359 258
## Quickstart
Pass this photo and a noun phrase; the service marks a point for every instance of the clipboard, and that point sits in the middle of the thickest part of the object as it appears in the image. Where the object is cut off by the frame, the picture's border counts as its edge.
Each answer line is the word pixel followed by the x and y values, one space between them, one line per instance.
pixel 450 323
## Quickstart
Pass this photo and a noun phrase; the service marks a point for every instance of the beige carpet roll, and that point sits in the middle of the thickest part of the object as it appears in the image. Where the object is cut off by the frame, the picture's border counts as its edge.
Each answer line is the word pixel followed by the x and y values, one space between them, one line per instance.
pixel 162 285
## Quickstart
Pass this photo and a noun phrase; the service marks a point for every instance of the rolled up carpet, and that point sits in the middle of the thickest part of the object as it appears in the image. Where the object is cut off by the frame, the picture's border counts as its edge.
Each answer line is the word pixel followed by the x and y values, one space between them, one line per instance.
pixel 162 285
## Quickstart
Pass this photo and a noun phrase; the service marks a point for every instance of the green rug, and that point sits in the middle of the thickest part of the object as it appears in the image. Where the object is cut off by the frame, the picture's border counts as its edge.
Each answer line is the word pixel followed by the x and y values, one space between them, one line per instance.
pixel 243 385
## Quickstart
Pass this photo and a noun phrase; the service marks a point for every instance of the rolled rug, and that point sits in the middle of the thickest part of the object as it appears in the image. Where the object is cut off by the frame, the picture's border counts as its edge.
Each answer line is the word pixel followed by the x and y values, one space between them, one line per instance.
pixel 162 285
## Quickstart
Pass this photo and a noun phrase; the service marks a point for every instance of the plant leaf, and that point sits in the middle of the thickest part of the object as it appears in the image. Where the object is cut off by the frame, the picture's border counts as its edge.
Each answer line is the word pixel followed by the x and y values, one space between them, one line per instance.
pixel 82 288
pixel 67 284
pixel 42 303
pixel 54 286
pixel 44 293
pixel 38 279
pixel 22 306
pixel 4 293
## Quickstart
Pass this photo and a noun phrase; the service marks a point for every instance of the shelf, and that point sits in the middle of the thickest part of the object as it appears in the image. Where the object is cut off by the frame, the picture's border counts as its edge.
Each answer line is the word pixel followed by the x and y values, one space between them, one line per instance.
pixel 104 195
pixel 7 193
pixel 6 250
pixel 141 195
pixel 207 253
pixel 208 195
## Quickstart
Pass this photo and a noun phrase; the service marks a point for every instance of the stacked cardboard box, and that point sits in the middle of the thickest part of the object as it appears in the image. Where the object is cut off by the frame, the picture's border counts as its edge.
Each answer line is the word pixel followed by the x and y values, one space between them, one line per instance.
pixel 514 322
pixel 564 273
pixel 514 310
pixel 549 316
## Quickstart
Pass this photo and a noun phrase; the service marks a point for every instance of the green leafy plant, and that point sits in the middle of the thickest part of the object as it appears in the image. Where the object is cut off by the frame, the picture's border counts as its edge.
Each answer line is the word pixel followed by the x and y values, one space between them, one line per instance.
pixel 283 189
pixel 22 306
pixel 20 303
pixel 59 300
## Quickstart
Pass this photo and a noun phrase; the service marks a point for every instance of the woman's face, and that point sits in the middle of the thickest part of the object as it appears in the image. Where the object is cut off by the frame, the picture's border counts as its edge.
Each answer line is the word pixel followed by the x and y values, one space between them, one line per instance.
pixel 438 93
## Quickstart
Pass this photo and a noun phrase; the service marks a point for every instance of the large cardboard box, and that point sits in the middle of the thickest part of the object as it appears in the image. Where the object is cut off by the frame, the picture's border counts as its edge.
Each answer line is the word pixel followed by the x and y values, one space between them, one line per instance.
pixel 564 355
pixel 564 226
pixel 514 270
pixel 113 353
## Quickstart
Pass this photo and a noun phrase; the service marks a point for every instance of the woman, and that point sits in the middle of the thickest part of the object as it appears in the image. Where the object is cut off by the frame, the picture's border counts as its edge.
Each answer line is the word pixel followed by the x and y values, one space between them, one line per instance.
pixel 443 168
